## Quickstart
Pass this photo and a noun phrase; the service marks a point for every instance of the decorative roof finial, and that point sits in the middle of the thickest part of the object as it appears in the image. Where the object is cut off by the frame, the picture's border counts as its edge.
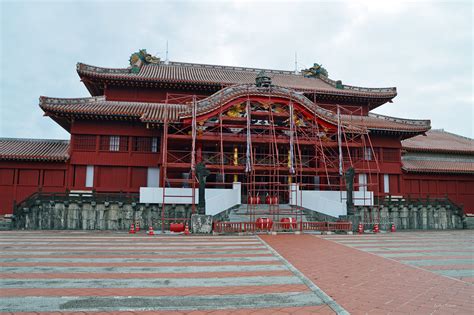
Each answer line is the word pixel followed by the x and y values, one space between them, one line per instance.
pixel 315 71
pixel 141 57
pixel 263 80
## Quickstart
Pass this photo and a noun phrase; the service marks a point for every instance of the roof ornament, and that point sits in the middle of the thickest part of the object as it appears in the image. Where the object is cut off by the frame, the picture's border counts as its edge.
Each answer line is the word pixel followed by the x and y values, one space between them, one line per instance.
pixel 263 80
pixel 315 71
pixel 141 57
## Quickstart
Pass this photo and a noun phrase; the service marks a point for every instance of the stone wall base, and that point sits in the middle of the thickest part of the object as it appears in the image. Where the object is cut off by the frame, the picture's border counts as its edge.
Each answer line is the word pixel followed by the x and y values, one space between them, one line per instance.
pixel 408 217
pixel 91 215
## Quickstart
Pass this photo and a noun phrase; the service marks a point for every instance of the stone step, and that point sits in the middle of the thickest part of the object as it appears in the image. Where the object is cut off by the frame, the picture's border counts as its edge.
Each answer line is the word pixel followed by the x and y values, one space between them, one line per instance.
pixel 5 225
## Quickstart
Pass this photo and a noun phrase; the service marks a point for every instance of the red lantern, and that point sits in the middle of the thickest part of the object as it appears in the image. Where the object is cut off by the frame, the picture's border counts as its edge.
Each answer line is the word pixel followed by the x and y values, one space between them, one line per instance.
pixel 264 223
pixel 288 223
pixel 275 200
pixel 177 227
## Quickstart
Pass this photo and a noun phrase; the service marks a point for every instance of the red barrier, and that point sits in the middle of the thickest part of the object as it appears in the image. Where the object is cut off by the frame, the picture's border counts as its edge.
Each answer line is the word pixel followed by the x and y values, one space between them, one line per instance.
pixel 237 227
pixel 234 227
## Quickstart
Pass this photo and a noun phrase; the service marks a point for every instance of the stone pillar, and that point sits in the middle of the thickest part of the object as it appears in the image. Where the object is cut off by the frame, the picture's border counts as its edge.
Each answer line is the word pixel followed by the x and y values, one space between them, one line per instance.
pixel 414 224
pixel 423 218
pixel 429 211
pixel 436 217
pixel 384 219
pixel 404 218
pixel 394 216
pixel 443 219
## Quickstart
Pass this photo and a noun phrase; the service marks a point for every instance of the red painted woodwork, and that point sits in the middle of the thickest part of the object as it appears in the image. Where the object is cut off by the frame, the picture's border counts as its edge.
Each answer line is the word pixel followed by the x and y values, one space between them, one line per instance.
pixel 139 177
pixel 54 178
pixel 458 188
pixel 18 180
pixel 111 178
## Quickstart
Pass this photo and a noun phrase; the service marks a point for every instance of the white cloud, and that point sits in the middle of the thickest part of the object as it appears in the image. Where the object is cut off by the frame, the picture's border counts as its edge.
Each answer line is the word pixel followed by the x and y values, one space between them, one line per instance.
pixel 422 47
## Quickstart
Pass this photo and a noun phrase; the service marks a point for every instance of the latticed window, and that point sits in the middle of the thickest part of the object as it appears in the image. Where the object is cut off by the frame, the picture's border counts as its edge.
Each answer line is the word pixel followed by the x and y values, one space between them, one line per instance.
pixel 84 142
pixel 145 144
pixel 113 143
pixel 367 154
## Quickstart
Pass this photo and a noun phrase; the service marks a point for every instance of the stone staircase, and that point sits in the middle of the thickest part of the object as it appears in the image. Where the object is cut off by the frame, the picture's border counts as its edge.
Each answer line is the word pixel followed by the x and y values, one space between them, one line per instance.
pixel 241 213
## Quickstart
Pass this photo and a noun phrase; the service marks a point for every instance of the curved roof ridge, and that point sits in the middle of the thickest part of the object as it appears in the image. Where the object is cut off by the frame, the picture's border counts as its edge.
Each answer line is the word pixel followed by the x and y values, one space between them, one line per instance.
pixel 224 67
pixel 65 100
pixel 424 122
pixel 80 66
pixel 234 91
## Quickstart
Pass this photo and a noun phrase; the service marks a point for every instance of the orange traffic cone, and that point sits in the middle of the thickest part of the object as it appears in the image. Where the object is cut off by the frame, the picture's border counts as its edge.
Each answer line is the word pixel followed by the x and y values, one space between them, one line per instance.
pixel 132 229
pixel 150 231
pixel 360 228
pixel 393 229
pixel 137 227
pixel 186 230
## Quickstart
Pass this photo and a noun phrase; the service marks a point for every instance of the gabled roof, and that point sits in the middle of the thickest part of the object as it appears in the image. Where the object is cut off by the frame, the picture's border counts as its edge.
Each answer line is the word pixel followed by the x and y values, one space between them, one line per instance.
pixel 220 76
pixel 439 140
pixel 34 149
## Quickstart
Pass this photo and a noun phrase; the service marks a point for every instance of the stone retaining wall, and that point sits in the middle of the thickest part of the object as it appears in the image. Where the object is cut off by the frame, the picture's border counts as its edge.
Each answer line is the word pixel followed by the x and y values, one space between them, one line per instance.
pixel 91 215
pixel 48 215
pixel 410 217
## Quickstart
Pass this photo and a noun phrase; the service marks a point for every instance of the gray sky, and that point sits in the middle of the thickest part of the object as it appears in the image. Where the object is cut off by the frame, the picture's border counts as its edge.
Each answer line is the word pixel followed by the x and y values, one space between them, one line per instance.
pixel 423 48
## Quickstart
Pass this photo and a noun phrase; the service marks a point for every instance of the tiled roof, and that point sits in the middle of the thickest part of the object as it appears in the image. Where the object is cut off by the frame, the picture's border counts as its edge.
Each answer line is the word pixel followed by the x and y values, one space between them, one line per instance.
pixel 179 72
pixel 34 149
pixel 435 166
pixel 93 107
pixel 439 141
pixel 98 106
pixel 387 123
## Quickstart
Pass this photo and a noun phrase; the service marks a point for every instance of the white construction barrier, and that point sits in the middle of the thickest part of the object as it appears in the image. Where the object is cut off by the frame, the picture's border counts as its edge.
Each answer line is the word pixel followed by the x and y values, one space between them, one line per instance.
pixel 332 203
pixel 217 200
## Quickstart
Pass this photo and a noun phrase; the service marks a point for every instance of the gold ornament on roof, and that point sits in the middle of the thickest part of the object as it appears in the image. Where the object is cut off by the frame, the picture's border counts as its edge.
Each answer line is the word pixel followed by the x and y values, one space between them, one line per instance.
pixel 235 111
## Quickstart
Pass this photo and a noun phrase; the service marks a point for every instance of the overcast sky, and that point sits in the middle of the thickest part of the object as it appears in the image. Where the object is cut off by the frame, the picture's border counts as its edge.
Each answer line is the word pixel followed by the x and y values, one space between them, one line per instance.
pixel 423 48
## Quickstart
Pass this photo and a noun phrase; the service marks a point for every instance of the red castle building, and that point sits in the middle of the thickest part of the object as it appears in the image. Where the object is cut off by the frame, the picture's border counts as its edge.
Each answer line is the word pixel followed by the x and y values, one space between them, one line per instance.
pixel 266 136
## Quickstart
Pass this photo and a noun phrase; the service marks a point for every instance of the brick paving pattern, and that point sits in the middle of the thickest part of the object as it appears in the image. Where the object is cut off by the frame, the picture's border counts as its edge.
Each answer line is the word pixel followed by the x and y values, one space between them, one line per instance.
pixel 54 272
pixel 366 283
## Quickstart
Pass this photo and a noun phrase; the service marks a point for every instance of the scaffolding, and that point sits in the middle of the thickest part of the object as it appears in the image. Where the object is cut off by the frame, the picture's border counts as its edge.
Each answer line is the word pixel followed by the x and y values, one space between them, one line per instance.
pixel 273 146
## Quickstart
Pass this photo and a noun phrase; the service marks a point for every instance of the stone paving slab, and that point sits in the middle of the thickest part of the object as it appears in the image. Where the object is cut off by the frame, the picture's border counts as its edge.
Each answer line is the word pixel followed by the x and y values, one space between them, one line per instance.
pixel 82 274
pixel 426 250
pixel 159 303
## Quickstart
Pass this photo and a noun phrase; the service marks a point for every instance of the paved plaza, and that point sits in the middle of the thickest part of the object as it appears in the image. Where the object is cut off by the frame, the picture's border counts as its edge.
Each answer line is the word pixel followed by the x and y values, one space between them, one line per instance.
pixel 71 272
